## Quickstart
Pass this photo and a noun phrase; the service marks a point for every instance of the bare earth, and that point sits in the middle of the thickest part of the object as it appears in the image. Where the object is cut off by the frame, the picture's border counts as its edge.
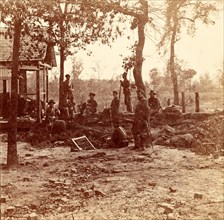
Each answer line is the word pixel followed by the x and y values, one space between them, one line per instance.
pixel 163 183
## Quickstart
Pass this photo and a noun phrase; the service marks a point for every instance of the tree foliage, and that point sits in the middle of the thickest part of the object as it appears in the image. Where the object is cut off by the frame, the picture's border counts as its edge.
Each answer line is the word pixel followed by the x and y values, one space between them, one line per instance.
pixel 179 14
pixel 74 24
pixel 77 67
pixel 156 79
pixel 18 16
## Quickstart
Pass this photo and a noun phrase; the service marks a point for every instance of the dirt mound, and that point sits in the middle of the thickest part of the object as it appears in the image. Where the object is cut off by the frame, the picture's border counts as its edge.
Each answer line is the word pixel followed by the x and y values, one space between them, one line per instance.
pixel 209 135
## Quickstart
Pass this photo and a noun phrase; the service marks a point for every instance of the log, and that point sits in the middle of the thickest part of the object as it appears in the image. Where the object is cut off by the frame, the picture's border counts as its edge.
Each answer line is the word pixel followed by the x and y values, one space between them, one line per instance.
pixel 86 128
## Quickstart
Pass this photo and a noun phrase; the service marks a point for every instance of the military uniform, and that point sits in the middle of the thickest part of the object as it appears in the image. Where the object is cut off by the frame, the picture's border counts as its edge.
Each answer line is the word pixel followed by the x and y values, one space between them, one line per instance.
pixel 153 103
pixel 52 114
pixel 140 128
pixel 115 110
pixel 127 94
pixel 68 91
pixel 91 106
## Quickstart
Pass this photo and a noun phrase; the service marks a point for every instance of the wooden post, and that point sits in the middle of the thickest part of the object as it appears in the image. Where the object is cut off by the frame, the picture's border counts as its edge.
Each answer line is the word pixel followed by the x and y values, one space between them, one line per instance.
pixel 168 102
pixel 38 95
pixel 44 87
pixel 197 109
pixel 4 86
pixel 183 102
pixel 47 82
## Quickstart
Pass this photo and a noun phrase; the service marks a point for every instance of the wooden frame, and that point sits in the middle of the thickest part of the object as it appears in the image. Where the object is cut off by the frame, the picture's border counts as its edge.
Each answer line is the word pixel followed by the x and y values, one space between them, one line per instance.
pixel 77 142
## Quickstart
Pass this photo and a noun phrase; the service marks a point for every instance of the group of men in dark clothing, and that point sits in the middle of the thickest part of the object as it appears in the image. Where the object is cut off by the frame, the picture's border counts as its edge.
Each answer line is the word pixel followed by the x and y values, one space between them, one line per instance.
pixel 141 124
pixel 143 110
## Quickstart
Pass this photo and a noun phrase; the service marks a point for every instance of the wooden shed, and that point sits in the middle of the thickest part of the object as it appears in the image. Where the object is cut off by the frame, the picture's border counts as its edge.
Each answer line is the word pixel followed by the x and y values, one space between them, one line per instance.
pixel 36 59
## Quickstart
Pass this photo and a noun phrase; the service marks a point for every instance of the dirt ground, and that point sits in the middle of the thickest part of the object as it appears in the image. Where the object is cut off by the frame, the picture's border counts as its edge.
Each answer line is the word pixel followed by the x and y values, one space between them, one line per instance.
pixel 114 184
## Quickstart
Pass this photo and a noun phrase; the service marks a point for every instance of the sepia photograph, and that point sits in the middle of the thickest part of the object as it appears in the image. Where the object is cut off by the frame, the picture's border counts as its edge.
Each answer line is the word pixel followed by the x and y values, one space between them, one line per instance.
pixel 111 109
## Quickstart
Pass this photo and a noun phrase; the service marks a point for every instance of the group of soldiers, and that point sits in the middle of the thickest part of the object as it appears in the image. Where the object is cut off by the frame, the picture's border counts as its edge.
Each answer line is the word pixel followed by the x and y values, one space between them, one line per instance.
pixel 142 113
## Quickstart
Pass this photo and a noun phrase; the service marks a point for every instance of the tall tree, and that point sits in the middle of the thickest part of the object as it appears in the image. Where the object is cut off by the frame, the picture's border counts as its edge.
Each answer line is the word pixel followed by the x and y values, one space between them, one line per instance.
pixel 180 14
pixel 15 14
pixel 138 11
pixel 142 20
pixel 73 25
pixel 12 156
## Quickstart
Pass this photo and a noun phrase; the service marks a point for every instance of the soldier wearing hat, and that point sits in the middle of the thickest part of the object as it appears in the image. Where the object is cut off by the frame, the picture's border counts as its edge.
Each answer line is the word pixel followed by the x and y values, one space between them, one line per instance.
pixel 68 89
pixel 52 114
pixel 153 103
pixel 91 105
pixel 114 108
pixel 127 92
pixel 140 128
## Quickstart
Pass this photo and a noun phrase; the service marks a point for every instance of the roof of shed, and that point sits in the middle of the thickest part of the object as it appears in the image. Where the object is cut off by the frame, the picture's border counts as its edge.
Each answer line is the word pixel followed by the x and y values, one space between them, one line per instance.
pixel 31 49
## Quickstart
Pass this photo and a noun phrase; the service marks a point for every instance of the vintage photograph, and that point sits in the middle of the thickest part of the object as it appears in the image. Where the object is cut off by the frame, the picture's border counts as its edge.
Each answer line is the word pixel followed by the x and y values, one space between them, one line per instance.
pixel 111 109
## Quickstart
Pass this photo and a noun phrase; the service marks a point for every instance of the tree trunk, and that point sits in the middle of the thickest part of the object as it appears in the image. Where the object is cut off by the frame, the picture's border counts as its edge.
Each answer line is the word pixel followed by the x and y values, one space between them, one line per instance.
pixel 174 76
pixel 61 79
pixel 172 64
pixel 12 156
pixel 137 71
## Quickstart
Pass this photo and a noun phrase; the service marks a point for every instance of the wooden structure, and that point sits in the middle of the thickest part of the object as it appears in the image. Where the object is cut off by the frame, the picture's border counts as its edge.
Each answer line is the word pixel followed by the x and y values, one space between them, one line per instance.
pixel 83 143
pixel 36 59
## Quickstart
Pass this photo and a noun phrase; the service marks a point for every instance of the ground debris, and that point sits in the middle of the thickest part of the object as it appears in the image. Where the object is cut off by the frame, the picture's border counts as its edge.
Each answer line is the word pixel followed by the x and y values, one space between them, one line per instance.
pixel 198 196
pixel 202 136
pixel 168 208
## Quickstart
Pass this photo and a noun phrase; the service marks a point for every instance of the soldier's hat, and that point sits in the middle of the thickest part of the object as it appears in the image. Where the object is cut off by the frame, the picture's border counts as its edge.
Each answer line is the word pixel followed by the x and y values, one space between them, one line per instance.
pixel 51 101
pixel 67 75
pixel 124 75
pixel 152 92
pixel 91 93
pixel 115 92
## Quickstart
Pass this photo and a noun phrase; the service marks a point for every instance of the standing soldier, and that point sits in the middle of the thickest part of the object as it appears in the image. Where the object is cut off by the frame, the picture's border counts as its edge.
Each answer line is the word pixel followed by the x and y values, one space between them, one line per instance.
pixel 119 135
pixel 68 98
pixel 127 92
pixel 140 128
pixel 115 108
pixel 68 89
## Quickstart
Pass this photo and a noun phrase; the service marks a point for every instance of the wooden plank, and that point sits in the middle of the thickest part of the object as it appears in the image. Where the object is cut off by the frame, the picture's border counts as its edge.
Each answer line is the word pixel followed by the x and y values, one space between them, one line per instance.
pixel 38 96
pixel 47 86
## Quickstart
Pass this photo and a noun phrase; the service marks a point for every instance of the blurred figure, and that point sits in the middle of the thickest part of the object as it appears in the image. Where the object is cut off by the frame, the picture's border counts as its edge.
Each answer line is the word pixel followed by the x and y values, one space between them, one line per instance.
pixel 52 114
pixel 140 128
pixel 127 92
pixel 68 89
pixel 114 108
pixel 91 105
pixel 119 135
pixel 153 103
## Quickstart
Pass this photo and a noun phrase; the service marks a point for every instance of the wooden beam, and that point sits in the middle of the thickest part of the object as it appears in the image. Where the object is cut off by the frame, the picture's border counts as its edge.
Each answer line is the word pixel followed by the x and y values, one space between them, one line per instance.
pixel 197 108
pixel 38 96
pixel 45 65
pixel 44 87
pixel 4 86
pixel 47 86
pixel 183 102
pixel 29 68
